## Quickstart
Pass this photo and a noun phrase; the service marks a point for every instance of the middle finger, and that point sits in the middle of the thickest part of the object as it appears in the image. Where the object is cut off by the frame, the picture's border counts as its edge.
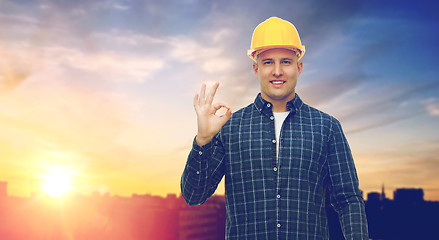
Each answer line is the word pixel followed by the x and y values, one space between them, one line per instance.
pixel 202 98
pixel 212 92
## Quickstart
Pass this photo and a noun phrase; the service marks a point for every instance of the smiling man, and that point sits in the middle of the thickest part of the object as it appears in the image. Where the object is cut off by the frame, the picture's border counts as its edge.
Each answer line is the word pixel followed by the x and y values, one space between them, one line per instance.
pixel 280 157
pixel 277 70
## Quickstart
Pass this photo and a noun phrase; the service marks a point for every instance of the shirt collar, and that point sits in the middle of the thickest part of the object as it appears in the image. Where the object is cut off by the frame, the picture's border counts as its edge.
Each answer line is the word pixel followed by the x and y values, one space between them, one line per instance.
pixel 266 107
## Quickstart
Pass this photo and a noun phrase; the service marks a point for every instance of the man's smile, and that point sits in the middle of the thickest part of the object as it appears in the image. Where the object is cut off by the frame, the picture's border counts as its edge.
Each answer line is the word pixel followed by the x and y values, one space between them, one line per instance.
pixel 277 82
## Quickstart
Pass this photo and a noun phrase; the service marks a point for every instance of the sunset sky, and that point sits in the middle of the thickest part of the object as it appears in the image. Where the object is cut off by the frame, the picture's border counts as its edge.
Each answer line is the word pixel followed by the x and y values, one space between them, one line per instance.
pixel 105 88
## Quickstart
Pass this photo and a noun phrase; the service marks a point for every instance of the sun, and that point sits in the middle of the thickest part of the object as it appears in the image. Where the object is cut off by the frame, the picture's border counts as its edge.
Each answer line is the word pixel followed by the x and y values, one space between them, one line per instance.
pixel 57 181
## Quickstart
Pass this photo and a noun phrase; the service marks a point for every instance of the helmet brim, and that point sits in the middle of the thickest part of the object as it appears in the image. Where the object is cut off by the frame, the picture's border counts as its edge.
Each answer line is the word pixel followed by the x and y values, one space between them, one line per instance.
pixel 253 53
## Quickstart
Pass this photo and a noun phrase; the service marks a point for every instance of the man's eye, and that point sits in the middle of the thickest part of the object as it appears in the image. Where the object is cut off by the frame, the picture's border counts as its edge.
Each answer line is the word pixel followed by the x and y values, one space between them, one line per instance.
pixel 286 62
pixel 267 62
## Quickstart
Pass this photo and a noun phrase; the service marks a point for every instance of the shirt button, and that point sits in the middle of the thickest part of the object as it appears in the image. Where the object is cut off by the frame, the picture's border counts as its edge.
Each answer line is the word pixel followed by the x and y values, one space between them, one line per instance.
pixel 198 172
pixel 275 169
pixel 273 141
pixel 278 196
pixel 268 105
pixel 278 225
pixel 200 152
pixel 271 118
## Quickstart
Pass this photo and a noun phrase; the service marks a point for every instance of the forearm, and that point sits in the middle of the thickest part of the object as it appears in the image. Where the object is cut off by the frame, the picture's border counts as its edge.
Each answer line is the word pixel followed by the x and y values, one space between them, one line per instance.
pixel 346 196
pixel 353 220
pixel 202 173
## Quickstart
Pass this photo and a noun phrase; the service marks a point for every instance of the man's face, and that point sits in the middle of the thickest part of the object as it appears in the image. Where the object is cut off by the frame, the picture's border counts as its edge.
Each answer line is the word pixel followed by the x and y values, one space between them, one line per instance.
pixel 277 70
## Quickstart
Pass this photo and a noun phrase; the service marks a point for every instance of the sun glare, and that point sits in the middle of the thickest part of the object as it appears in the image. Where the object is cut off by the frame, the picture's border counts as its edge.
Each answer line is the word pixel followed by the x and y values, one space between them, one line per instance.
pixel 57 182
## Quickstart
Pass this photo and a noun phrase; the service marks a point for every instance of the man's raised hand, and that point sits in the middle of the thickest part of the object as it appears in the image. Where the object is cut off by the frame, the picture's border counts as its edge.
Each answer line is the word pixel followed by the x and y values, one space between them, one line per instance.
pixel 209 123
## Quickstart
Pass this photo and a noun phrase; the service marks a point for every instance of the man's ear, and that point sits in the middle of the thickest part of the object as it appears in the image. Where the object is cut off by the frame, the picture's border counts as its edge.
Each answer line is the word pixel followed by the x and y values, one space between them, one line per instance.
pixel 299 67
pixel 255 69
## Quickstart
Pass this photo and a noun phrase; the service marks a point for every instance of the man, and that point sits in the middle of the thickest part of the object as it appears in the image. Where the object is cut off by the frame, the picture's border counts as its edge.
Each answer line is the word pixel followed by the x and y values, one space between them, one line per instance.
pixel 279 156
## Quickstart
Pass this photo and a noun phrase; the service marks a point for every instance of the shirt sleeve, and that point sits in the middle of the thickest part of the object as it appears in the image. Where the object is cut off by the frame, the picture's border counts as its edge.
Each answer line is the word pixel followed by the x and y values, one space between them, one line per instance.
pixel 346 197
pixel 203 171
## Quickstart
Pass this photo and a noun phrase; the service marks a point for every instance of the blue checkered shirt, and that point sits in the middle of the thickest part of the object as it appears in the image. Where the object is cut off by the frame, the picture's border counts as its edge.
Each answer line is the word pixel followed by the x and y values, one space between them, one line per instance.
pixel 284 198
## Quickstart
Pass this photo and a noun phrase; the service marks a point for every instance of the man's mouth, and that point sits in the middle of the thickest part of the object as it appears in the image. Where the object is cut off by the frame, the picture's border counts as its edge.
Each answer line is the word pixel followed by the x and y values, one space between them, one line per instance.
pixel 277 82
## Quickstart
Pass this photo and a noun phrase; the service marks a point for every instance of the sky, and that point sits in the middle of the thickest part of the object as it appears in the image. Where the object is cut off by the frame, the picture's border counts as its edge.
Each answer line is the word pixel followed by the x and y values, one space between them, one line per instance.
pixel 105 88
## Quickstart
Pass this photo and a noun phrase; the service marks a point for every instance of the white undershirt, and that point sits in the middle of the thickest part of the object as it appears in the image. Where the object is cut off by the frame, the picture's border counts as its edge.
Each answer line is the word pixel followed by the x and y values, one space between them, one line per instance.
pixel 279 118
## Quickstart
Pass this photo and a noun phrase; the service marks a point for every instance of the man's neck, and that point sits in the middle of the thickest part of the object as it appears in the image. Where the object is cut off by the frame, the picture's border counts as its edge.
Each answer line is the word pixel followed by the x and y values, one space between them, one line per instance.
pixel 279 106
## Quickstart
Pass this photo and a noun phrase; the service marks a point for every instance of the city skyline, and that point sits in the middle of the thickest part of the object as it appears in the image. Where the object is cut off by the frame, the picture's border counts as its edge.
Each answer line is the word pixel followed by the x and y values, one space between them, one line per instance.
pixel 408 216
pixel 381 195
pixel 104 89
pixel 372 196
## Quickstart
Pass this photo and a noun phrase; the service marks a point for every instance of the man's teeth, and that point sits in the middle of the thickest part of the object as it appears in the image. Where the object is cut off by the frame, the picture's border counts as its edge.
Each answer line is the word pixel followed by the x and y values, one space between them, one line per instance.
pixel 277 82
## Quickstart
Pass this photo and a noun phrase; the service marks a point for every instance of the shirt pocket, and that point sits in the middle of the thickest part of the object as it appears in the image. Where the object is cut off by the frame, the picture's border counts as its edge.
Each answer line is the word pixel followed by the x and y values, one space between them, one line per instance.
pixel 308 147
pixel 306 156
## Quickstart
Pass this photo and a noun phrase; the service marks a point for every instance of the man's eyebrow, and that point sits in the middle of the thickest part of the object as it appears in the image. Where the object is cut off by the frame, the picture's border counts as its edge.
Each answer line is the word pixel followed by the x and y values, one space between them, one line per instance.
pixel 268 58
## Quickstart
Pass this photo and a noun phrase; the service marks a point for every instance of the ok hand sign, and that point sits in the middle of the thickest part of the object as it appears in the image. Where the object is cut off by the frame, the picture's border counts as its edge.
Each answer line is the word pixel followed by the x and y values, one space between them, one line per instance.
pixel 209 123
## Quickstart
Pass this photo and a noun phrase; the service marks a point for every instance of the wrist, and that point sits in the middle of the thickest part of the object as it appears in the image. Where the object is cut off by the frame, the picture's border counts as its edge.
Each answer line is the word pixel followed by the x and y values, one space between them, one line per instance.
pixel 202 140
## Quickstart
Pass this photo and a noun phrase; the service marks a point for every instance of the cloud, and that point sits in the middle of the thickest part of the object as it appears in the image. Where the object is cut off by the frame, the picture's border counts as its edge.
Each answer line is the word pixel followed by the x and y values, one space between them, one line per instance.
pixel 20 18
pixel 55 60
pixel 185 49
pixel 426 169
pixel 11 77
pixel 109 65
pixel 432 106
pixel 120 7
pixel 325 90
pixel 15 67
pixel 365 107
pixel 218 65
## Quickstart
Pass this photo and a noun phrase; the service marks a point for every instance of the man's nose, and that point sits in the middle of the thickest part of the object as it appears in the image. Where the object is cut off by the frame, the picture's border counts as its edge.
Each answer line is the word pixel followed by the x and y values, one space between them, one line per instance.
pixel 277 71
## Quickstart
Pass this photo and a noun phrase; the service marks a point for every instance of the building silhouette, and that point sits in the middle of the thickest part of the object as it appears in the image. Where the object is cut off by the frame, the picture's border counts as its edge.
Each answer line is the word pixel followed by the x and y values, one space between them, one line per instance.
pixel 203 222
pixel 383 194
pixel 409 196
pixel 407 217
pixel 374 197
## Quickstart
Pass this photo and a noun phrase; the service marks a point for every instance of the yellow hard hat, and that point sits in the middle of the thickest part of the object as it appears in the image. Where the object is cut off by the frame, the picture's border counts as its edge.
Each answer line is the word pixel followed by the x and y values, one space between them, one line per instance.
pixel 275 33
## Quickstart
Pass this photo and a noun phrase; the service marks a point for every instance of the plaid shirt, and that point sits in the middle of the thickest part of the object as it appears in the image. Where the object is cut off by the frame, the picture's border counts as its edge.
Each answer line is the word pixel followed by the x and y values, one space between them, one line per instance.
pixel 284 199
